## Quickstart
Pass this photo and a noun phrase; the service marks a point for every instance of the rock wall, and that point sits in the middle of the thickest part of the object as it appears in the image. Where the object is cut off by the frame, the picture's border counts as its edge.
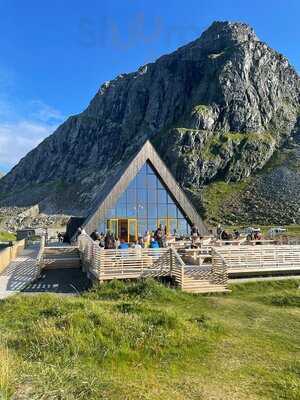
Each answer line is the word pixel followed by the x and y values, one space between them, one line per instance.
pixel 217 108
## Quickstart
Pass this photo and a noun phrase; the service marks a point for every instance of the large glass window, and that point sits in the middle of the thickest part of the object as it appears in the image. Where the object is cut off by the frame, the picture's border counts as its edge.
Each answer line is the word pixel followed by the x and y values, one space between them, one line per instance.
pixel 147 201
pixel 162 196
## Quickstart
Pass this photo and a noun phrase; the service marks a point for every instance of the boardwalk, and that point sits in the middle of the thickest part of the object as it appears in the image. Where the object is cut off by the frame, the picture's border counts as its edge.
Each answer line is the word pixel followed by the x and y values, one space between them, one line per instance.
pixel 19 273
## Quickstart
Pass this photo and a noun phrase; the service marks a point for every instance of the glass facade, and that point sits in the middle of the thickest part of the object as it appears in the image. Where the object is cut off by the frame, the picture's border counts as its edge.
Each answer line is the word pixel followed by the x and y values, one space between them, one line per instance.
pixel 145 205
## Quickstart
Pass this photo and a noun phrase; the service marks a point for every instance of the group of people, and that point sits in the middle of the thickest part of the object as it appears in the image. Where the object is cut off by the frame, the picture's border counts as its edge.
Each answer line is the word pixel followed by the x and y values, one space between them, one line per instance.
pixel 151 240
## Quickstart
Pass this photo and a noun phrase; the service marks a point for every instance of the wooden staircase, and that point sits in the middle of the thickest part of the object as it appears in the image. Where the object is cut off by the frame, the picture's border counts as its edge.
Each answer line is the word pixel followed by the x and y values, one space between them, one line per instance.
pixel 194 284
pixel 61 257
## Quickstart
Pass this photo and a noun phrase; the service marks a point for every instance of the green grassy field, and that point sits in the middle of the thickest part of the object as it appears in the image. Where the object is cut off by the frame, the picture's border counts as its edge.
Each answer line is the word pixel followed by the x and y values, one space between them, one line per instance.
pixel 6 236
pixel 145 341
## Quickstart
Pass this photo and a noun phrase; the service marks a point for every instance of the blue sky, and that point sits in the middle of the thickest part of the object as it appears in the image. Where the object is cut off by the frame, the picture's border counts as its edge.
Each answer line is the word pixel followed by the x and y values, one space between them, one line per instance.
pixel 55 54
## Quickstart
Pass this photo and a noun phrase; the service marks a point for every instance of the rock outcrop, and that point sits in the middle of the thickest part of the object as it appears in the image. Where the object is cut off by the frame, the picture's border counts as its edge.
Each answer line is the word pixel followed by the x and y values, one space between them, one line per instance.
pixel 217 108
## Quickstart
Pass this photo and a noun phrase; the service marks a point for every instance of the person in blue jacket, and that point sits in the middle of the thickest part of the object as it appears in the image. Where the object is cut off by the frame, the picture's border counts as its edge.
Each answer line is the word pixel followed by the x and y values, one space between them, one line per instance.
pixel 154 244
pixel 123 245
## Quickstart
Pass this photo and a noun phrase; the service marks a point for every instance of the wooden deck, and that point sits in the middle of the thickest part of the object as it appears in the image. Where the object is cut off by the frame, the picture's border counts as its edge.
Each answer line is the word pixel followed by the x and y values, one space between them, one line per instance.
pixel 138 263
pixel 250 260
pixel 200 270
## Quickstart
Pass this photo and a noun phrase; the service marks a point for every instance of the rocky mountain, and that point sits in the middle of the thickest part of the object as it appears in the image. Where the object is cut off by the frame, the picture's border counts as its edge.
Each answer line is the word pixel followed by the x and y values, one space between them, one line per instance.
pixel 218 109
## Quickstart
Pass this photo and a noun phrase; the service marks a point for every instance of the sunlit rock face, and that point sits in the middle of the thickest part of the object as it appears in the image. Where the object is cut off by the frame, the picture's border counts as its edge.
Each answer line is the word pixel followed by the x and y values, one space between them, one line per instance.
pixel 217 108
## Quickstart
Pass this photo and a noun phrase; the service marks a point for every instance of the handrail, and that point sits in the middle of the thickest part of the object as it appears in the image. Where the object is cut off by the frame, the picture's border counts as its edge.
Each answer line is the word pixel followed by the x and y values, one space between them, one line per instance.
pixel 40 256
pixel 219 269
pixel 179 260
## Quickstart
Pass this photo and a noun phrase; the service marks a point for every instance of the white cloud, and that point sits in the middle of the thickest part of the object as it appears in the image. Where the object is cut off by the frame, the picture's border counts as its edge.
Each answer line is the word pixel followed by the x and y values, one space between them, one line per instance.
pixel 44 112
pixel 17 139
pixel 23 125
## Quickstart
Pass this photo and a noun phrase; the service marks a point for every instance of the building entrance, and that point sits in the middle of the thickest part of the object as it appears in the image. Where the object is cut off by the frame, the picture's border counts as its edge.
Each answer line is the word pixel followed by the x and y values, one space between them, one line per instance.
pixel 125 228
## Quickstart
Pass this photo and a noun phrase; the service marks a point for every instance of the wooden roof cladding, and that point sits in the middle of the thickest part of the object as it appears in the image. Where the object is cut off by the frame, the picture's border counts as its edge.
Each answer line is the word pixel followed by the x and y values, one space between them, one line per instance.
pixel 113 190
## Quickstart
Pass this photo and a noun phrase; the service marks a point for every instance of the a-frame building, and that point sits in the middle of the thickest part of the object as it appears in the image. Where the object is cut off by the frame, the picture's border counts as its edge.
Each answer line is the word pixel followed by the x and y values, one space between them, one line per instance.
pixel 142 196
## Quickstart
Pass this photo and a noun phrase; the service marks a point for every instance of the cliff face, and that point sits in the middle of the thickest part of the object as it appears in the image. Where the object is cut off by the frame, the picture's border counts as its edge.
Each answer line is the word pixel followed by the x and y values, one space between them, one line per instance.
pixel 217 108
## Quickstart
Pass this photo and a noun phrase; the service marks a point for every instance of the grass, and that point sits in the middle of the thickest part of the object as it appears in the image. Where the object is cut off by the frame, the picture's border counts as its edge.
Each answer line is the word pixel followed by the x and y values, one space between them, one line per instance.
pixel 145 341
pixel 7 236
pixel 217 193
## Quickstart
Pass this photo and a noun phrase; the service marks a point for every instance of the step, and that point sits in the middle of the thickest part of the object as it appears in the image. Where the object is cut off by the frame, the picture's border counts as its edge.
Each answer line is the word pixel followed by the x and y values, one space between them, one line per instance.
pixel 197 283
pixel 59 253
pixel 209 289
pixel 200 286
pixel 61 256
pixel 62 263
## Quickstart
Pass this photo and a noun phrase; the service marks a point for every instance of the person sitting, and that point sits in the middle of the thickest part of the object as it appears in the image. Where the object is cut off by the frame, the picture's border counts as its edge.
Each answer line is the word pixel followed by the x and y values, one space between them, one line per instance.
pixel 195 232
pixel 236 235
pixel 219 231
pixel 257 235
pixel 101 240
pixel 95 235
pixel 123 245
pixel 154 244
pixel 137 245
pixel 117 242
pixel 109 241
pixel 158 235
pixel 141 242
pixel 225 235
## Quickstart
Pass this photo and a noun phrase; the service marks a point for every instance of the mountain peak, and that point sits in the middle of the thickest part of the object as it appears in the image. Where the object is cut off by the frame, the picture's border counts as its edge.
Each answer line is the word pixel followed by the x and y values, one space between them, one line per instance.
pixel 222 34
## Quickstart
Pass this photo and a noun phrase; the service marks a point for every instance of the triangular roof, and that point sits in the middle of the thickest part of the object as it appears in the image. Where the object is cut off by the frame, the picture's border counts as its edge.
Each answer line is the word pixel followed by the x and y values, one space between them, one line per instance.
pixel 115 187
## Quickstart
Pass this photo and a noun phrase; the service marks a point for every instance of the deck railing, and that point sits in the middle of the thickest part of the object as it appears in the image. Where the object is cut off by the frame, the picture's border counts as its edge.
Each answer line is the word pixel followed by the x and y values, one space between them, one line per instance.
pixel 219 270
pixel 40 256
pixel 264 258
pixel 106 264
pixel 176 267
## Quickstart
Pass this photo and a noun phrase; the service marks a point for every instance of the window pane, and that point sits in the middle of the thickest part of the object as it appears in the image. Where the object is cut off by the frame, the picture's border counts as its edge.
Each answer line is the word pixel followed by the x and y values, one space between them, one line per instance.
pixel 119 204
pixel 102 226
pixel 162 196
pixel 162 211
pixel 132 184
pixel 141 195
pixel 182 226
pixel 152 181
pixel 159 184
pixel 170 201
pixel 141 181
pixel 152 196
pixel 131 196
pixel 150 170
pixel 143 170
pixel 152 225
pixel 111 212
pixel 172 211
pixel 121 211
pixel 132 230
pixel 113 227
pixel 173 226
pixel 152 210
pixel 142 210
pixel 131 210
pixel 122 198
pixel 179 213
pixel 142 227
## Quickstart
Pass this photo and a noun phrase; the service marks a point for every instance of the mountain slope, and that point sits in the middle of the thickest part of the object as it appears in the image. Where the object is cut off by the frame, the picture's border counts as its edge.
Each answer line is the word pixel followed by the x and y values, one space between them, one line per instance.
pixel 217 108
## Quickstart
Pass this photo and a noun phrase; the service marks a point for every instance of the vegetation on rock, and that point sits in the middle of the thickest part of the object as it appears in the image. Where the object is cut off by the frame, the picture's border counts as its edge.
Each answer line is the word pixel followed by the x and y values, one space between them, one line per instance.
pixel 213 109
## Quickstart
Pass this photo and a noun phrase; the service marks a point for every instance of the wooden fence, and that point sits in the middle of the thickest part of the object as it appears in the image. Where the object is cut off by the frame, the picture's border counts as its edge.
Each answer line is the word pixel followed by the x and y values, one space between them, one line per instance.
pixel 260 258
pixel 106 264
pixel 9 253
